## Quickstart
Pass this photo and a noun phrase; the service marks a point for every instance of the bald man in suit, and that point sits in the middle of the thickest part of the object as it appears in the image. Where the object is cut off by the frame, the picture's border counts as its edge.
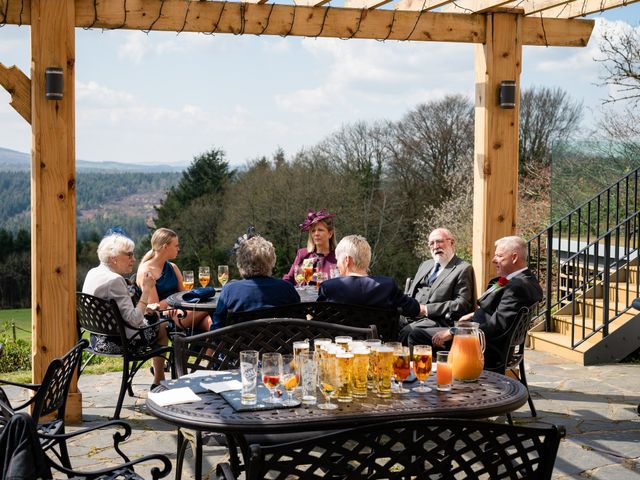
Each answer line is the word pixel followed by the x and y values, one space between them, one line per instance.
pixel 444 284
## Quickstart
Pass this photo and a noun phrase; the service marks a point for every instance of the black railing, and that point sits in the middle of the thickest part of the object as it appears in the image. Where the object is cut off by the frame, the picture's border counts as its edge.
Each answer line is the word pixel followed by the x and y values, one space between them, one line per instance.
pixel 578 255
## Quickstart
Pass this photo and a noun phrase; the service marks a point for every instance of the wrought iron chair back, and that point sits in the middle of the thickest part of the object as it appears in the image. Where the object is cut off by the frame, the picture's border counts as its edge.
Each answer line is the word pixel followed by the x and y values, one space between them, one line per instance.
pixel 102 317
pixel 386 321
pixel 295 310
pixel 220 349
pixel 426 449
pixel 50 397
pixel 512 353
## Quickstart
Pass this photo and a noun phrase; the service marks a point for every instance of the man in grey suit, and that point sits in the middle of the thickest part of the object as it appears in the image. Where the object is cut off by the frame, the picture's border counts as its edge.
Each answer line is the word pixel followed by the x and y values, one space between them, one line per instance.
pixel 444 284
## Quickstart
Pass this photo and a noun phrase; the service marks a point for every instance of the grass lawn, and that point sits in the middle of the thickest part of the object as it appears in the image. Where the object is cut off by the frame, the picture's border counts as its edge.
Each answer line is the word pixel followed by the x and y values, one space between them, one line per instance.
pixel 22 319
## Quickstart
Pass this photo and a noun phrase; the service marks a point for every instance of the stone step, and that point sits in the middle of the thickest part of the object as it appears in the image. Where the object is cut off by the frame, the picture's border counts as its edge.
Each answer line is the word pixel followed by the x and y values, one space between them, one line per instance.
pixel 560 345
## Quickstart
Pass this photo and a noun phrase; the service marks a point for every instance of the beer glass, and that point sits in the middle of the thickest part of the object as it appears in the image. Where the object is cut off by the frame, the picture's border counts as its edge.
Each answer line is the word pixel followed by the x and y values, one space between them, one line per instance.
pixel 249 376
pixel 385 370
pixel 345 369
pixel 344 342
pixel 422 357
pixel 401 366
pixel 372 344
pixel 309 373
pixel 328 380
pixel 360 371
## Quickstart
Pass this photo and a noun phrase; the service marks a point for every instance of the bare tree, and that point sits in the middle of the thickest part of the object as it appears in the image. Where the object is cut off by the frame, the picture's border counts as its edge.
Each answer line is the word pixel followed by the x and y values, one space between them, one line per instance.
pixel 620 48
pixel 547 116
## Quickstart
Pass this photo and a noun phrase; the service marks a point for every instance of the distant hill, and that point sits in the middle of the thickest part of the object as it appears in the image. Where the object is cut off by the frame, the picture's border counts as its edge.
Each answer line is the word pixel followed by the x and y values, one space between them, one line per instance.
pixel 11 160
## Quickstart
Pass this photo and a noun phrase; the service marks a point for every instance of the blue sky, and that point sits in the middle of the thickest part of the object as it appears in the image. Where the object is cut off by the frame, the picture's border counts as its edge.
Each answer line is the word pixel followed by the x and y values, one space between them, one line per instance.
pixel 163 98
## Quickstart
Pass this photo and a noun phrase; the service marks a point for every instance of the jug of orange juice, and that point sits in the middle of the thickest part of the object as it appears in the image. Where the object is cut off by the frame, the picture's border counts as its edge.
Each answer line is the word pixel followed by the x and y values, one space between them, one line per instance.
pixel 466 352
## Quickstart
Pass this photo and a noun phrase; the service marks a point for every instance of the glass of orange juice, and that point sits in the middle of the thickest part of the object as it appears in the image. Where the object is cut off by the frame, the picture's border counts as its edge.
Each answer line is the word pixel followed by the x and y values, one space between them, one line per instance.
pixel 444 376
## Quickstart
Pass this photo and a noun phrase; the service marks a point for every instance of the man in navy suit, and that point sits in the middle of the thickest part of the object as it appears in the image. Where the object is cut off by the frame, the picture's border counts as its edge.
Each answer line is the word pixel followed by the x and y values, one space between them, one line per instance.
pixel 514 288
pixel 444 284
pixel 355 286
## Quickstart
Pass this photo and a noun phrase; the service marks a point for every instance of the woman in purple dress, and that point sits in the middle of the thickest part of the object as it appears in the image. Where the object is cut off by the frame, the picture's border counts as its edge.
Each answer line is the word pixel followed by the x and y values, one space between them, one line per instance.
pixel 321 243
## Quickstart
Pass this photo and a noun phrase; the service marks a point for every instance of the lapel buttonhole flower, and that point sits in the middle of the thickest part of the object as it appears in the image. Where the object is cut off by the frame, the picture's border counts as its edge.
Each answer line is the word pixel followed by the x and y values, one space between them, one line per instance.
pixel 502 281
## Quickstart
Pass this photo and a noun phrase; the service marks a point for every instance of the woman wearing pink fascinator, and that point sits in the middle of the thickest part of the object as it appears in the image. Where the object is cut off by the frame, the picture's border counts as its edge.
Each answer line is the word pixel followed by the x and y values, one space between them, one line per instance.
pixel 321 243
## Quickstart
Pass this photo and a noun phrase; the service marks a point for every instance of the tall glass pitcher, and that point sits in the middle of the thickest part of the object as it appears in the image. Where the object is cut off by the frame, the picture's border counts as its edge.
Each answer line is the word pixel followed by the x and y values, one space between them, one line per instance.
pixel 467 351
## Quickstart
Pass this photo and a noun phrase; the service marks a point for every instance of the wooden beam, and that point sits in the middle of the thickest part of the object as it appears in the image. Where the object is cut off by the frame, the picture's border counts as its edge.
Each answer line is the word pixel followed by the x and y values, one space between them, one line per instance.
pixel 53 191
pixel 368 4
pixel 420 5
pixel 581 8
pixel 555 32
pixel 279 19
pixel 473 6
pixel 19 87
pixel 531 7
pixel 310 3
pixel 495 188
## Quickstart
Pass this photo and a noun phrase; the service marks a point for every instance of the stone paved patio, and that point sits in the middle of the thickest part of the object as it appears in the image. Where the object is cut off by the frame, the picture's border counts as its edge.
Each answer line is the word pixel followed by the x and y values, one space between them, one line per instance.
pixel 597 405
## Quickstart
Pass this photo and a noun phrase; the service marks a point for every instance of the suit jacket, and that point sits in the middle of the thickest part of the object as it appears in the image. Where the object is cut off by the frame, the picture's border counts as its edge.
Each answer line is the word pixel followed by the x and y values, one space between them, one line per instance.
pixel 499 308
pixel 375 291
pixel 452 292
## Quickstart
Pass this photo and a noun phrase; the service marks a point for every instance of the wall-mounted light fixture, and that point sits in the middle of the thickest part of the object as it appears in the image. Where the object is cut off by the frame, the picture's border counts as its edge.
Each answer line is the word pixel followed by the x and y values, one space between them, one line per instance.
pixel 53 83
pixel 507 94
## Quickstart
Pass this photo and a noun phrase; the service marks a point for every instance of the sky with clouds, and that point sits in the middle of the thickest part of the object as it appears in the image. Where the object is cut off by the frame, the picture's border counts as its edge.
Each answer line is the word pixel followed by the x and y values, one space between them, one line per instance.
pixel 164 98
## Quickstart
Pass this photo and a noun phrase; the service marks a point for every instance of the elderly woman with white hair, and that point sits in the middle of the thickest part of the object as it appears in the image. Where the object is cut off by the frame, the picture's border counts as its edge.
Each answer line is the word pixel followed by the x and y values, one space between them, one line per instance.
pixel 116 254
pixel 255 259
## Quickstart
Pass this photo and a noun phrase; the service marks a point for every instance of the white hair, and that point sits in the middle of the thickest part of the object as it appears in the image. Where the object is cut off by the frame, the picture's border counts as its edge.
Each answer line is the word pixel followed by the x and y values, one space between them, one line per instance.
pixel 112 245
pixel 514 244
pixel 356 247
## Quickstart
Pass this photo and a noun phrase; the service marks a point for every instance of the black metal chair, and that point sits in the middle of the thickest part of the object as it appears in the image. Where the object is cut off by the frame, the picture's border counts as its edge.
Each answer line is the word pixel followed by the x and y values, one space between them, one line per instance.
pixel 50 397
pixel 22 454
pixel 220 350
pixel 295 310
pixel 425 449
pixel 510 346
pixel 386 321
pixel 101 317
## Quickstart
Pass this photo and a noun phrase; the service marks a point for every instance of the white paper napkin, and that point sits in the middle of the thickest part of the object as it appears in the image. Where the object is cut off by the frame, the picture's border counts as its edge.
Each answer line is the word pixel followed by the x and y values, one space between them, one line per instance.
pixel 206 373
pixel 219 387
pixel 174 396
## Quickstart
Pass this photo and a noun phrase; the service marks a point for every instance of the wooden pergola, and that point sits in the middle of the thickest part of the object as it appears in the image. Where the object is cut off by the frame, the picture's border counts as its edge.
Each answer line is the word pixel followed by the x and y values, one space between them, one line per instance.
pixel 498 28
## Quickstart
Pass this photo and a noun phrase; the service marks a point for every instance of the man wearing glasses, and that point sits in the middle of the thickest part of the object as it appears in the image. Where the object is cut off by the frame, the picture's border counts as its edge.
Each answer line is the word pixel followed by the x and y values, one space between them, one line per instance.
pixel 444 284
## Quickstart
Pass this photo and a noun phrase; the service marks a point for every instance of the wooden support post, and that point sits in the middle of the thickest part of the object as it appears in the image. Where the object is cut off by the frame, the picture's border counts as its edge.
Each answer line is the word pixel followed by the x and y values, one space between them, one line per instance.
pixel 53 191
pixel 496 141
pixel 19 87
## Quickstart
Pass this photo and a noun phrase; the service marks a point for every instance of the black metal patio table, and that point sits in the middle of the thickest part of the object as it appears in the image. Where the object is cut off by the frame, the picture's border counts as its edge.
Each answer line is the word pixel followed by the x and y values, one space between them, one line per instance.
pixel 308 294
pixel 492 395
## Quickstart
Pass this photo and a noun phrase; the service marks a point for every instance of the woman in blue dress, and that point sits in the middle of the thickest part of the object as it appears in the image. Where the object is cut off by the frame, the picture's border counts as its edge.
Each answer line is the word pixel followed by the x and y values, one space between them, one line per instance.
pixel 157 261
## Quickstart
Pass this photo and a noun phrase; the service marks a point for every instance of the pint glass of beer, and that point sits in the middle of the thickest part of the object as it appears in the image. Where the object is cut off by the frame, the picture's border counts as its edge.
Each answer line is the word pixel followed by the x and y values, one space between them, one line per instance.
pixel 345 370
pixel 385 371
pixel 360 371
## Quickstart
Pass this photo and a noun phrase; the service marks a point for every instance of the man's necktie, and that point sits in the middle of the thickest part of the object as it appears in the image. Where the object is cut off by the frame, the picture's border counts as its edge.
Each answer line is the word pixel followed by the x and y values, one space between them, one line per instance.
pixel 433 275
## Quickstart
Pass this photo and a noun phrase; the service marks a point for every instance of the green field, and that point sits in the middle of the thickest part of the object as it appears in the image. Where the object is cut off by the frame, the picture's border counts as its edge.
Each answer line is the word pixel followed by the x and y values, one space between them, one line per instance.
pixel 22 319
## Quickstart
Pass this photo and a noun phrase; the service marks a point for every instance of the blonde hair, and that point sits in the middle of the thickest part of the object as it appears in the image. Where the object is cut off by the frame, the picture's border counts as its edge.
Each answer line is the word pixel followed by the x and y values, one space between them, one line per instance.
pixel 256 257
pixel 328 222
pixel 160 238
pixel 356 247
pixel 112 245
